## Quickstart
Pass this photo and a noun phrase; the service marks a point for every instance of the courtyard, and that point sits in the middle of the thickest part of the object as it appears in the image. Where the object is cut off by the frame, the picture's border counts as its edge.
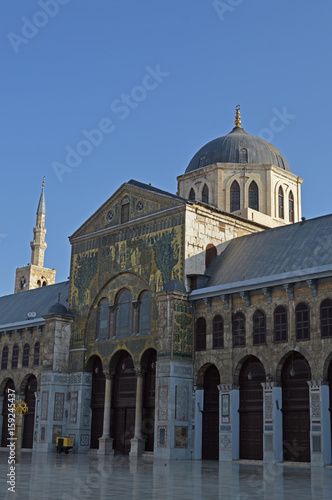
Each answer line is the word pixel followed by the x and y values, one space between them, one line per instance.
pixel 54 476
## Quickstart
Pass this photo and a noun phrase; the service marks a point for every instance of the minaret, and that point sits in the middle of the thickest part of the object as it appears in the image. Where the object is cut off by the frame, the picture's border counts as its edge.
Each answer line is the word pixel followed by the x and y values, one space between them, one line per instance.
pixel 35 275
pixel 38 245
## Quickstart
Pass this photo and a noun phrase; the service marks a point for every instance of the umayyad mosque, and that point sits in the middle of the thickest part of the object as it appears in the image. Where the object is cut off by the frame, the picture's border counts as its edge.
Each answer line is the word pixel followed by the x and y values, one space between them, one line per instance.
pixel 195 325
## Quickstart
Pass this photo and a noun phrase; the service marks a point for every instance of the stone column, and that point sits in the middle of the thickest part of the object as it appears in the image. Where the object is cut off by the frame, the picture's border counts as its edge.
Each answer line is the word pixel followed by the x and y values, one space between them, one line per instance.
pixel 138 443
pixel 272 422
pixel 112 318
pixel 229 444
pixel 135 317
pixel 105 441
pixel 320 428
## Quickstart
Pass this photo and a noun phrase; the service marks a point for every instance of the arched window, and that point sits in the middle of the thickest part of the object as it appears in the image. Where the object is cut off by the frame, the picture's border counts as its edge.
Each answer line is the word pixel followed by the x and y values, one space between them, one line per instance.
pixel 235 196
pixel 302 322
pixel 326 318
pixel 205 194
pixel 192 195
pixel 4 360
pixel 291 207
pixel 26 353
pixel 103 320
pixel 280 324
pixel 239 330
pixel 253 196
pixel 15 356
pixel 200 344
pixel 124 314
pixel 218 332
pixel 259 328
pixel 210 254
pixel 36 354
pixel 125 210
pixel 145 312
pixel 280 162
pixel 202 159
pixel 243 155
pixel 281 202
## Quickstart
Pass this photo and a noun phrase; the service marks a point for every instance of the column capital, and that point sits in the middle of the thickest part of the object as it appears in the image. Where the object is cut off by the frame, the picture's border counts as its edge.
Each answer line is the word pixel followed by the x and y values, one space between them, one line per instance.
pixel 108 374
pixel 139 372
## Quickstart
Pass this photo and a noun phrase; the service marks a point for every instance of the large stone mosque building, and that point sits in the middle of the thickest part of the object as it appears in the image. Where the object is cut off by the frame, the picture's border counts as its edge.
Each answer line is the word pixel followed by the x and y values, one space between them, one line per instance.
pixel 193 326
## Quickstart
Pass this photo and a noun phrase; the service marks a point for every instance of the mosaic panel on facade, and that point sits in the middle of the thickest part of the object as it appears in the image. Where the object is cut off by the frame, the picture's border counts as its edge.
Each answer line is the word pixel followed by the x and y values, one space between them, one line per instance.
pixel 73 407
pixel 59 401
pixel 44 405
pixel 181 402
pixel 163 402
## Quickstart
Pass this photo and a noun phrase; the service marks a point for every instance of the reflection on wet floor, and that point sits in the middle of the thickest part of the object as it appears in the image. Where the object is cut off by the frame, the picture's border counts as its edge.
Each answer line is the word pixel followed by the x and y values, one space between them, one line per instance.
pixel 88 476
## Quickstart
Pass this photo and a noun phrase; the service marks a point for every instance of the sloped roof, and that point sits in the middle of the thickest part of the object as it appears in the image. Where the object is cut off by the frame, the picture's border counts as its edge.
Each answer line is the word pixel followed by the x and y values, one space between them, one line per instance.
pixel 14 308
pixel 295 247
pixel 155 190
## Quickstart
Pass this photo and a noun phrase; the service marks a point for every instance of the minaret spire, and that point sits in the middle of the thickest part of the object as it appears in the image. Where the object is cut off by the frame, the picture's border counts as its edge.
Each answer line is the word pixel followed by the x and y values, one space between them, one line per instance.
pixel 38 245
pixel 238 116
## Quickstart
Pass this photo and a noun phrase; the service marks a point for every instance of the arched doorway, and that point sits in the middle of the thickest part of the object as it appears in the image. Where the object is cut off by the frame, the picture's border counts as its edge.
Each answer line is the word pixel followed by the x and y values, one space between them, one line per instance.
pixel 149 364
pixel 97 402
pixel 124 403
pixel 29 417
pixel 210 434
pixel 296 408
pixel 252 375
pixel 4 433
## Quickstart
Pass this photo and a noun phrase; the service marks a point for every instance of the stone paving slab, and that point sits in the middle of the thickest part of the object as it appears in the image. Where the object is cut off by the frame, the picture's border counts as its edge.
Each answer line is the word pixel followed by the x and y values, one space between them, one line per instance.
pixel 54 476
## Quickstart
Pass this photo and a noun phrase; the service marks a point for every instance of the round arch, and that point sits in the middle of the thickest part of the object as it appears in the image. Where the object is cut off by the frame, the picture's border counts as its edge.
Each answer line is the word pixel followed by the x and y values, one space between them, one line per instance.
pixel 201 372
pixel 241 362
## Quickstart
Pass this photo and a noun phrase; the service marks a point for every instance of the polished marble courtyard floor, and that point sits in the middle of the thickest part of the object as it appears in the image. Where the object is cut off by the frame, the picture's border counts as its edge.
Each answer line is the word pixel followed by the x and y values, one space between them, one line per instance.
pixel 73 477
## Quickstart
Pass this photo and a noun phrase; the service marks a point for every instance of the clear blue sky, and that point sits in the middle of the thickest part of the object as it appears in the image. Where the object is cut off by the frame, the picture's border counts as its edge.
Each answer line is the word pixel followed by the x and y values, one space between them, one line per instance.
pixel 66 66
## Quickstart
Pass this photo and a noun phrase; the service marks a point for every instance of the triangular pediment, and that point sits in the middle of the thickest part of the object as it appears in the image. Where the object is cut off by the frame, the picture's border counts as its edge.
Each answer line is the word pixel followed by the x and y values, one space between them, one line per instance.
pixel 141 199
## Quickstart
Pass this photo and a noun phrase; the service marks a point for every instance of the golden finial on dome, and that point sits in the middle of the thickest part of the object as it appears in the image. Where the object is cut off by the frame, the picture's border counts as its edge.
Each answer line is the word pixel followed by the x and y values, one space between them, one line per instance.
pixel 43 182
pixel 238 116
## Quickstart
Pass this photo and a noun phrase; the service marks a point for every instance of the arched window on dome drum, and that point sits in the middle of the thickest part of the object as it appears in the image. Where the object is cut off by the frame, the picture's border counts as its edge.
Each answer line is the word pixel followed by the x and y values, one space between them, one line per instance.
pixel 15 356
pixel 36 354
pixel 239 330
pixel 259 328
pixel 253 196
pixel 302 322
pixel 210 254
pixel 235 196
pixel 218 332
pixel 280 162
pixel 26 353
pixel 326 319
pixel 192 195
pixel 202 160
pixel 200 337
pixel 280 324
pixel 124 314
pixel 103 320
pixel 4 359
pixel 205 194
pixel 281 202
pixel 243 155
pixel 291 207
pixel 145 312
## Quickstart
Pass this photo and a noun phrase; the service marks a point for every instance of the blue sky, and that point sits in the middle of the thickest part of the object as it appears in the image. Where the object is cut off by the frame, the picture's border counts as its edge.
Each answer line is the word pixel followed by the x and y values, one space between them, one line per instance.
pixel 69 66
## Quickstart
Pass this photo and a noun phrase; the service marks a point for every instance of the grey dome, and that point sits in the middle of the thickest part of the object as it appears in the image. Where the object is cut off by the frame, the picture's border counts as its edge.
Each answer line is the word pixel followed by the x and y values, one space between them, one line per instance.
pixel 59 309
pixel 227 149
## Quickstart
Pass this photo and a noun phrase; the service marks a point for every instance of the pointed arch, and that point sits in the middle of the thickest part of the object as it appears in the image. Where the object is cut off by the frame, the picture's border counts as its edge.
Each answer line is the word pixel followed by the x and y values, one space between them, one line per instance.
pixel 192 195
pixel 253 196
pixel 235 196
pixel 281 203
pixel 205 194
pixel 291 206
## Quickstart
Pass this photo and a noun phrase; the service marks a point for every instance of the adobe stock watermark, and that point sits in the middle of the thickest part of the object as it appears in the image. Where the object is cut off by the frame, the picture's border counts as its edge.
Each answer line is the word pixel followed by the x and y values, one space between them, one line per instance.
pixel 278 123
pixel 223 7
pixel 121 108
pixel 30 27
